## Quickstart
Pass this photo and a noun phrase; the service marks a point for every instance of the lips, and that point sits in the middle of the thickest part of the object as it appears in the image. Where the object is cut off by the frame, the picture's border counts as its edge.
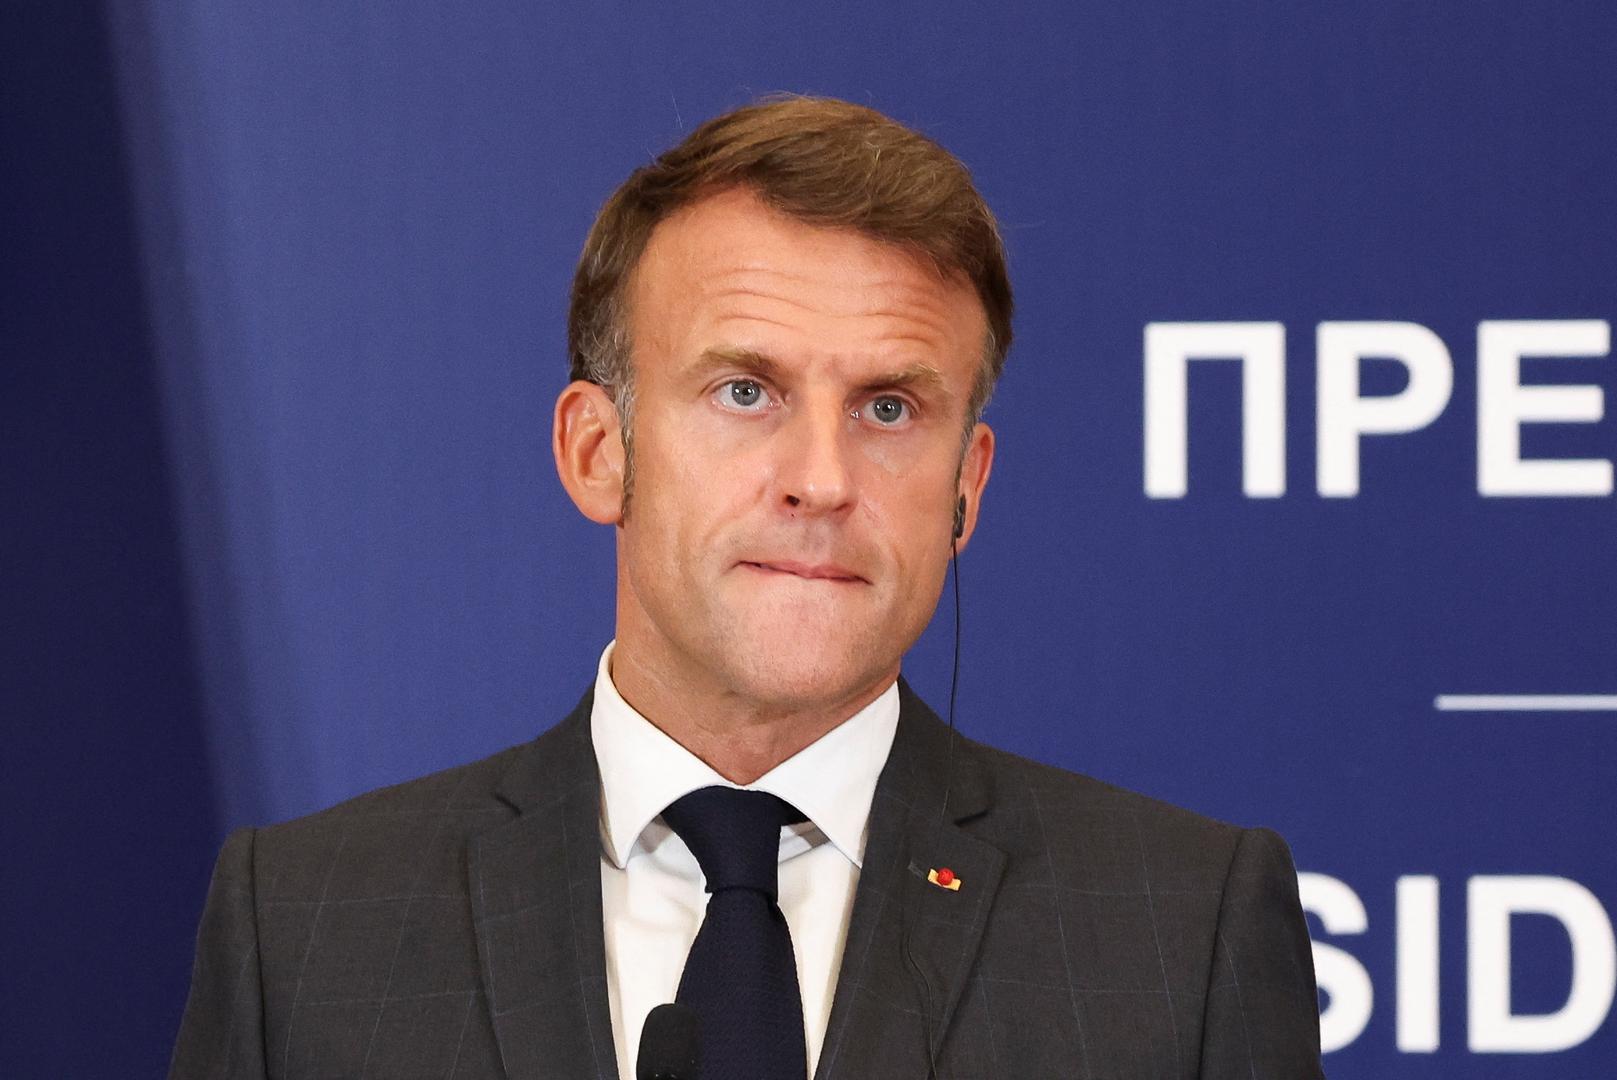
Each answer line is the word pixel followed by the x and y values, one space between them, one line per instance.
pixel 809 571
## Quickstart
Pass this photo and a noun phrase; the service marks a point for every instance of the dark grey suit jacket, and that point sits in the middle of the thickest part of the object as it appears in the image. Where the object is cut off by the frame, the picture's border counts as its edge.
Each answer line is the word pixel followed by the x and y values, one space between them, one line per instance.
pixel 451 927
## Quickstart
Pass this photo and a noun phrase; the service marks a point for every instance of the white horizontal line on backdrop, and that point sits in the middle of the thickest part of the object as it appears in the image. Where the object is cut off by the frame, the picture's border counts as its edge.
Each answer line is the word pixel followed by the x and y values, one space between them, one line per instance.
pixel 1526 702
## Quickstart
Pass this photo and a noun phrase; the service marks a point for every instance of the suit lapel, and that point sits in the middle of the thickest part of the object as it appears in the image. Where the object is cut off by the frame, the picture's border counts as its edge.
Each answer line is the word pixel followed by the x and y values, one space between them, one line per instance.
pixel 536 896
pixel 911 943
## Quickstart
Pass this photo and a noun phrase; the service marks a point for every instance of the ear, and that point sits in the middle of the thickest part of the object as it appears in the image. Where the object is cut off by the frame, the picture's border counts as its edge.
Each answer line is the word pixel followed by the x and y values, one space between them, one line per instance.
pixel 974 470
pixel 588 444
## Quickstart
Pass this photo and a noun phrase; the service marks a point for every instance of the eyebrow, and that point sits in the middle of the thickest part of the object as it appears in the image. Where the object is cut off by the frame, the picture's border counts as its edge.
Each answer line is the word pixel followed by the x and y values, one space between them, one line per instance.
pixel 918 374
pixel 721 357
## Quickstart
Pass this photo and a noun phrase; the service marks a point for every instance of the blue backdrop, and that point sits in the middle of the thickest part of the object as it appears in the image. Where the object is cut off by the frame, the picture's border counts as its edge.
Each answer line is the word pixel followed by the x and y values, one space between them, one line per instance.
pixel 284 289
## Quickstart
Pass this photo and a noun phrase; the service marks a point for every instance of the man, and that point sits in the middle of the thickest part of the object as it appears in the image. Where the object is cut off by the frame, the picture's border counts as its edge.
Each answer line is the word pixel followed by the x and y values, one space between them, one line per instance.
pixel 783 333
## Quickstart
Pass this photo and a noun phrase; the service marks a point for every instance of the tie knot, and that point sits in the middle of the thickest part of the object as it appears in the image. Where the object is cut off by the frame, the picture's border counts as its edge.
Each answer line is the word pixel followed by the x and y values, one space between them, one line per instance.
pixel 734 834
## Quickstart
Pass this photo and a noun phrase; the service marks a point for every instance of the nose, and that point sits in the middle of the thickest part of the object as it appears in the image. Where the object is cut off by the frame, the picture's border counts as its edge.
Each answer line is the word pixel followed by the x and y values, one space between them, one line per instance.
pixel 814 471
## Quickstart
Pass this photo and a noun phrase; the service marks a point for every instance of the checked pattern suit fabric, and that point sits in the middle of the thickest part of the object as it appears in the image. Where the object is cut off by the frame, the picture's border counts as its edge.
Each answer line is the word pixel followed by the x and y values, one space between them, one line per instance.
pixel 450 927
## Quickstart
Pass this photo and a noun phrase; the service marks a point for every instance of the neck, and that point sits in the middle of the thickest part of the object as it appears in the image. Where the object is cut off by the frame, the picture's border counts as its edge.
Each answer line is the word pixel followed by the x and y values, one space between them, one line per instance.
pixel 740 737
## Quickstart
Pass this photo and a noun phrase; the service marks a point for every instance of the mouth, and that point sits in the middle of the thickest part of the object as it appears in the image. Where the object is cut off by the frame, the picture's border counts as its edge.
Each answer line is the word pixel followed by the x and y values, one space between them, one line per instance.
pixel 827 572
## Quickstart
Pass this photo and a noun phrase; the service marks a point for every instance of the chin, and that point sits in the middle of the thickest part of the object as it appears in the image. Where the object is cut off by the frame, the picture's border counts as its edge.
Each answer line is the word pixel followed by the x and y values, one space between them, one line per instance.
pixel 796 674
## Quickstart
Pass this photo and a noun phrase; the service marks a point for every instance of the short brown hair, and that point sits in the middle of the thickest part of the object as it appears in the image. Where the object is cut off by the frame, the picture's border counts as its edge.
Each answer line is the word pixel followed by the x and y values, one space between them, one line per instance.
pixel 821 161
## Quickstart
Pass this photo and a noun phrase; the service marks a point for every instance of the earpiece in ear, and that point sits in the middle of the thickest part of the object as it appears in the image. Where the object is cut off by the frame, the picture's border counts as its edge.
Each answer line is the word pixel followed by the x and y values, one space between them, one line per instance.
pixel 960 518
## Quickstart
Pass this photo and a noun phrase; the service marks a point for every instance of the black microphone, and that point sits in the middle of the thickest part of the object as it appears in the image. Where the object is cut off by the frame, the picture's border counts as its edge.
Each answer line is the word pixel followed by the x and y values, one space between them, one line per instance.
pixel 668 1045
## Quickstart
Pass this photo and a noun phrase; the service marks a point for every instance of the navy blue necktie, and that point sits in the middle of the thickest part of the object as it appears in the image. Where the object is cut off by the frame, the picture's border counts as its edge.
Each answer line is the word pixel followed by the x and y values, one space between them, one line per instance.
pixel 741 976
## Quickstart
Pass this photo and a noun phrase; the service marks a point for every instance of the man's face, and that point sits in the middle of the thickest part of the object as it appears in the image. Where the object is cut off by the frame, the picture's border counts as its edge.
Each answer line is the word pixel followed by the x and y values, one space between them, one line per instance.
pixel 800 396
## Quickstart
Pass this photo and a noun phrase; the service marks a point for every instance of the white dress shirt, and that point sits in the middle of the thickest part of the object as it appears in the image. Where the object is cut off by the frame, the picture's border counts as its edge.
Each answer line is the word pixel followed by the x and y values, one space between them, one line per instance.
pixel 652 893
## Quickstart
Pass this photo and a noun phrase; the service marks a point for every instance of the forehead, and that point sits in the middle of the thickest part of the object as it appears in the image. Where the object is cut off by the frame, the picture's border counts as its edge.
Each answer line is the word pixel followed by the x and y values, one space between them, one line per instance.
pixel 730 265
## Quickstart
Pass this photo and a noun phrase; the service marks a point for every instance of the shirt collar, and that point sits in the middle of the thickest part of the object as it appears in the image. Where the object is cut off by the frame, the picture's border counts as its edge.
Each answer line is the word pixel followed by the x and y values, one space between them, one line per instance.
pixel 832 781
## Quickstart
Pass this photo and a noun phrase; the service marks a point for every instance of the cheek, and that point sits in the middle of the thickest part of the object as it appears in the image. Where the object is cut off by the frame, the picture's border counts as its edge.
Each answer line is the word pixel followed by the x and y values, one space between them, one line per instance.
pixel 689 492
pixel 889 458
pixel 924 460
pixel 913 523
pixel 693 444
pixel 909 485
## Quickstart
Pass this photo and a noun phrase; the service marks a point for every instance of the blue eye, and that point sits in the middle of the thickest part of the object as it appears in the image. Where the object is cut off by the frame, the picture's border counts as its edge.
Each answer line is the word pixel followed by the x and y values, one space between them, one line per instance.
pixel 745 394
pixel 888 411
